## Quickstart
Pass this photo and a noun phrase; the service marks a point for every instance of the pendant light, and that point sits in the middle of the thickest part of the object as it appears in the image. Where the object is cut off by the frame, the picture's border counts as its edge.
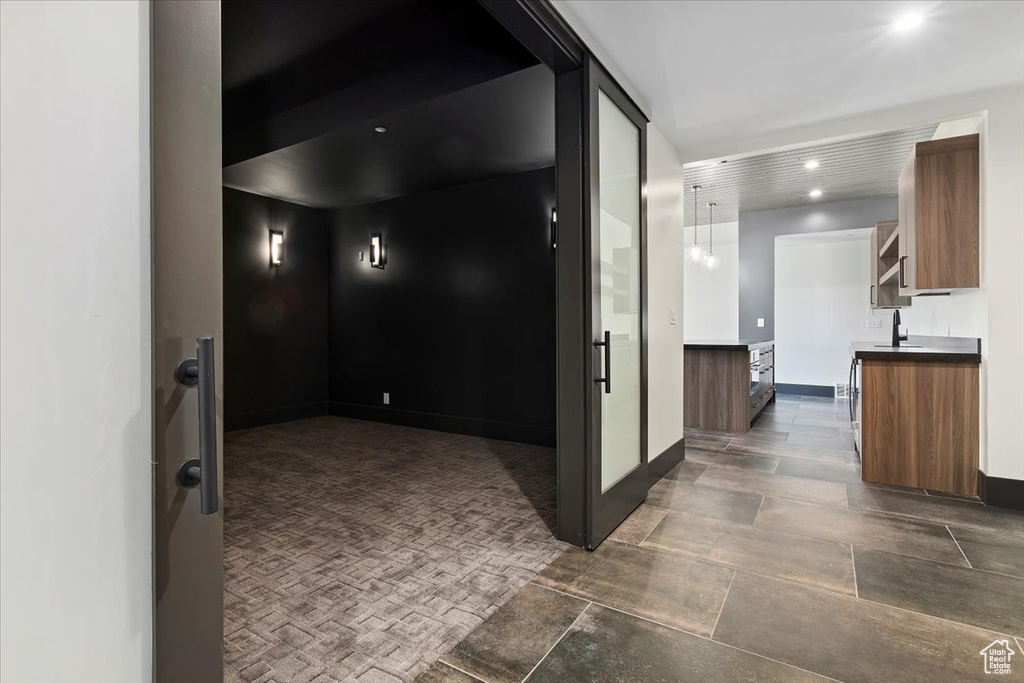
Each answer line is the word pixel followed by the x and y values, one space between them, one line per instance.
pixel 711 262
pixel 695 252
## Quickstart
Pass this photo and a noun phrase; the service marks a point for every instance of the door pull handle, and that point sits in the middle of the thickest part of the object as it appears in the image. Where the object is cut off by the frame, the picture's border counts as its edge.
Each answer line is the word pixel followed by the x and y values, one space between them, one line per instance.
pixel 607 379
pixel 202 471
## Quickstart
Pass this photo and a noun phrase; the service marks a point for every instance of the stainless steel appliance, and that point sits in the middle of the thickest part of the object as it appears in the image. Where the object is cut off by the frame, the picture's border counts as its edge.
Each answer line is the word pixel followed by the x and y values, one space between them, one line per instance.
pixel 855 406
pixel 755 371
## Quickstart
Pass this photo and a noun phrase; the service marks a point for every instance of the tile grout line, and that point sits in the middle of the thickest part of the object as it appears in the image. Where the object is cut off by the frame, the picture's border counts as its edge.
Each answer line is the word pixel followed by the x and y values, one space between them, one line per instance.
pixel 698 635
pixel 879 604
pixel 950 532
pixel 803 534
pixel 853 561
pixel 722 608
pixel 763 496
pixel 541 660
pixel 648 534
pixel 962 624
pixel 452 666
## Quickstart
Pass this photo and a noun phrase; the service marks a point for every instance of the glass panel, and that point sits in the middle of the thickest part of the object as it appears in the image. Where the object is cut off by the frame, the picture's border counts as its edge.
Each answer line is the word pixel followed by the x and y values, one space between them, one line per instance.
pixel 618 229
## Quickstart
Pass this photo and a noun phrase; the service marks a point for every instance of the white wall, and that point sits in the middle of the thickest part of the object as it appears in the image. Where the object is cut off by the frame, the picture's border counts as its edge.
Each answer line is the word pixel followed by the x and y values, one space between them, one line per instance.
pixel 75 387
pixel 822 303
pixel 665 294
pixel 712 297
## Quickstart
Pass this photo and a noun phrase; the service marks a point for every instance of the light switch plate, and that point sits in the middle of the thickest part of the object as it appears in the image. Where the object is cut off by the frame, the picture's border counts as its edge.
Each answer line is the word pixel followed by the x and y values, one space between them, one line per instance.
pixel 760 322
pixel 387 398
pixel 671 316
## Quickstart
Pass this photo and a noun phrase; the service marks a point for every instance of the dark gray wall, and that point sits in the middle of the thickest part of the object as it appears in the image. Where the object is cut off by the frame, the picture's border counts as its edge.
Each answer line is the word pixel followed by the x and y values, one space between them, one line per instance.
pixel 758 229
pixel 460 326
pixel 275 318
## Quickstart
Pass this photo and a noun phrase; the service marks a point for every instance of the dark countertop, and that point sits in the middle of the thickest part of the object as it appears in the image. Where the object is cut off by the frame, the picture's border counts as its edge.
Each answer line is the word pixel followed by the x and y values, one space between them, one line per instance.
pixel 725 344
pixel 930 349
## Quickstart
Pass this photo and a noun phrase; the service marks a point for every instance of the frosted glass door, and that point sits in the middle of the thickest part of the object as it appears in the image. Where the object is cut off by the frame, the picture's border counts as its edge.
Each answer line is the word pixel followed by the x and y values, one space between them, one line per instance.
pixel 616 137
pixel 619 229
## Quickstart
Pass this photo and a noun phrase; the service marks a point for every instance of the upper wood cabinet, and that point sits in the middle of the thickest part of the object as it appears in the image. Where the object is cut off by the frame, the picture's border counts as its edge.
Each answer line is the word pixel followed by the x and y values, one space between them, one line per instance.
pixel 939 215
pixel 885 241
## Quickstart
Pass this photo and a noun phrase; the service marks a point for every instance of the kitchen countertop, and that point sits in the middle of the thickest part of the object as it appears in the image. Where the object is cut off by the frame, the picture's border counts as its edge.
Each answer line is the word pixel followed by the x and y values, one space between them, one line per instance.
pixel 725 344
pixel 930 349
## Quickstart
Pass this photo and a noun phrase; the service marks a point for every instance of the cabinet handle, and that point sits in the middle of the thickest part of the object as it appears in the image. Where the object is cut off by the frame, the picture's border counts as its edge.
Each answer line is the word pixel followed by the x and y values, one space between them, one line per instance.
pixel 871 296
pixel 902 283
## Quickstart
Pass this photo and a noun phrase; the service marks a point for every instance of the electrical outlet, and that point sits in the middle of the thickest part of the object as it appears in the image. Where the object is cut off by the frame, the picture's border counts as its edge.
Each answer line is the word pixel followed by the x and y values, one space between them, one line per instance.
pixel 874 322
pixel 760 322
pixel 387 398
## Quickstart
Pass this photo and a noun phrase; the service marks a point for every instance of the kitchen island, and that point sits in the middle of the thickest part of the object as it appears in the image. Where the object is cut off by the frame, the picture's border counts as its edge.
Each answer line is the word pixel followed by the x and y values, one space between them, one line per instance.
pixel 917 415
pixel 727 382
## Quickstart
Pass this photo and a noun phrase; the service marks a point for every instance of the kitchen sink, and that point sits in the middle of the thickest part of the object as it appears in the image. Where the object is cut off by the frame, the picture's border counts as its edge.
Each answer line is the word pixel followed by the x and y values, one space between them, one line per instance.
pixel 901 346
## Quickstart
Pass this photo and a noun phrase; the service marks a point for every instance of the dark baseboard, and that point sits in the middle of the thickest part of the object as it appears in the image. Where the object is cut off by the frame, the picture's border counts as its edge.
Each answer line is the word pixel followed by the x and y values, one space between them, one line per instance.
pixel 262 418
pixel 806 390
pixel 663 464
pixel 503 431
pixel 999 492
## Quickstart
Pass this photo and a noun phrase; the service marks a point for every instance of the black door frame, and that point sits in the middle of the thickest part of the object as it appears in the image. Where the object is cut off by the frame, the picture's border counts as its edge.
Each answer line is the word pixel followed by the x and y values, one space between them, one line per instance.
pixel 543 31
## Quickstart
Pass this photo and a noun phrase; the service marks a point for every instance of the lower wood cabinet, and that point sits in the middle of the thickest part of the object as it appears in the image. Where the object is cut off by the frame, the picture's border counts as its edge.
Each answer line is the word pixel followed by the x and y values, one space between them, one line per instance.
pixel 919 424
pixel 728 387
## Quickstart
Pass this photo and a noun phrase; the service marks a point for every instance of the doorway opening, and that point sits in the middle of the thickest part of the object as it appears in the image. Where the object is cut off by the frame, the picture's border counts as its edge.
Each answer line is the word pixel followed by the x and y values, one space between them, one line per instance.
pixel 389 332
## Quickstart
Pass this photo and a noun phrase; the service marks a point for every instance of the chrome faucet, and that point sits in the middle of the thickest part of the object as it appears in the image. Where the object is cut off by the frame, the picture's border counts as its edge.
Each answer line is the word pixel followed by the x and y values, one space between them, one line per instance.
pixel 896 336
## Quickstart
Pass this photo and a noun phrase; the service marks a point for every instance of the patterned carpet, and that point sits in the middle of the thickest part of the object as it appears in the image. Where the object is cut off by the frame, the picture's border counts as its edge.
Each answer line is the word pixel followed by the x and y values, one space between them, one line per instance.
pixel 359 551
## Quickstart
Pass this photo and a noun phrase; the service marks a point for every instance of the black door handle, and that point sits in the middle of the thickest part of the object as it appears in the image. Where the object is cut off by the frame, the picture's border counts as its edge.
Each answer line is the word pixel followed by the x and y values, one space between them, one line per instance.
pixel 202 471
pixel 902 283
pixel 607 379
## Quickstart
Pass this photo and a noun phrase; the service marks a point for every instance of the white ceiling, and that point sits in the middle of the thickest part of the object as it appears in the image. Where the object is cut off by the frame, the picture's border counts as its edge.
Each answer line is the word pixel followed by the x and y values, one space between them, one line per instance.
pixel 718 73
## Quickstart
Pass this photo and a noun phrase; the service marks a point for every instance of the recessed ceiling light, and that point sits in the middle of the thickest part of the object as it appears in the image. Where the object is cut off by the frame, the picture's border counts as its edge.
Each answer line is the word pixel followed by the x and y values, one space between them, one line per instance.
pixel 815 193
pixel 811 165
pixel 380 129
pixel 908 22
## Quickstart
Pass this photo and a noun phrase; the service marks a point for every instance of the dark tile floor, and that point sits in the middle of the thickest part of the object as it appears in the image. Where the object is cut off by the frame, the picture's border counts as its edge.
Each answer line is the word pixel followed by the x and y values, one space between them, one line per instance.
pixel 763 557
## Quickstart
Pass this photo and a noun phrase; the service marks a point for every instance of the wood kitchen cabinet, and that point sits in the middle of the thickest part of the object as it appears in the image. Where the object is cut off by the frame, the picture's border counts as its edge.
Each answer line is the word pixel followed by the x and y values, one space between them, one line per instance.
pixel 885 239
pixel 728 384
pixel 917 413
pixel 939 216
pixel 920 425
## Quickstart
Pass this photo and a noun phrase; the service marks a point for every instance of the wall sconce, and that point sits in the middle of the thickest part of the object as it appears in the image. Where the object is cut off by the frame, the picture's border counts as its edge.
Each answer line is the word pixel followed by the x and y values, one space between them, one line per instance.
pixel 276 248
pixel 554 228
pixel 378 254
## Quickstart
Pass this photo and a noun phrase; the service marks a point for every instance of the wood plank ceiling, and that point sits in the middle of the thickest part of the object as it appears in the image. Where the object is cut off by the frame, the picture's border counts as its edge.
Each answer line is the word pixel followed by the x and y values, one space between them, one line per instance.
pixel 855 168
